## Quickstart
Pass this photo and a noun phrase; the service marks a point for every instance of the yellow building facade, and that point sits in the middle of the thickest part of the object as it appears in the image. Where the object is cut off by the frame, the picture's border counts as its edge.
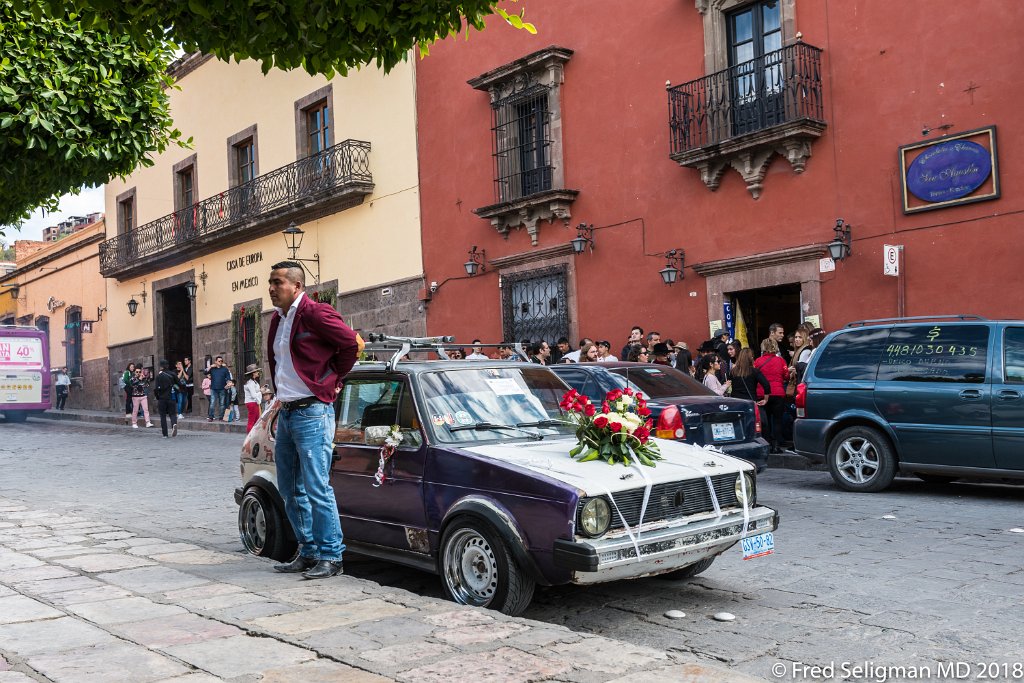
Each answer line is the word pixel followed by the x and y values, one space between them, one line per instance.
pixel 58 288
pixel 334 159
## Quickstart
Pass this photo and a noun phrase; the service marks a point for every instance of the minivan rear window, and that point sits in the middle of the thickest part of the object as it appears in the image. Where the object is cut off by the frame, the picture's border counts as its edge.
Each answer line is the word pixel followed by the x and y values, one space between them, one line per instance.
pixel 852 355
pixel 935 353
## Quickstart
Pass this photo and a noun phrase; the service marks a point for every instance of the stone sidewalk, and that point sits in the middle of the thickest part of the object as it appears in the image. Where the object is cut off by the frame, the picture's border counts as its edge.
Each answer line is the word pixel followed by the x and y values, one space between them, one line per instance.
pixel 85 601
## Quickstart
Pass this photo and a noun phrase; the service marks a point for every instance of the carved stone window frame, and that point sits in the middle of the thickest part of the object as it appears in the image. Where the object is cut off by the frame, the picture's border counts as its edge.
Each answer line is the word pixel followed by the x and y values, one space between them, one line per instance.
pixel 250 134
pixel 324 95
pixel 189 166
pixel 749 155
pixel 541 68
pixel 716 38
pixel 124 200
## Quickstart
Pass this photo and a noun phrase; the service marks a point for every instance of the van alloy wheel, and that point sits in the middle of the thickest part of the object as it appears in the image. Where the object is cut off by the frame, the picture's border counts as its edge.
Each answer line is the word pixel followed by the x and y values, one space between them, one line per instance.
pixel 861 459
pixel 857 460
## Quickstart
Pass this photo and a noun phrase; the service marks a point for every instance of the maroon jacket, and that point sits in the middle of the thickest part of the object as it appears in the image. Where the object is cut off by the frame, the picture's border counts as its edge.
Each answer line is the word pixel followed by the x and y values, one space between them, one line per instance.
pixel 324 348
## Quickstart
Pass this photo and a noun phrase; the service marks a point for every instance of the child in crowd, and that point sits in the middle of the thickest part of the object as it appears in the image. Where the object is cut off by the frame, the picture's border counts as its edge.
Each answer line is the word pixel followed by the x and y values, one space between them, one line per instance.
pixel 231 398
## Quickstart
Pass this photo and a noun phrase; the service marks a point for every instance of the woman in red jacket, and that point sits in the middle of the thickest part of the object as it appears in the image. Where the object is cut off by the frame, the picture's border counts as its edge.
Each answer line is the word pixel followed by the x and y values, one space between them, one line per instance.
pixel 776 372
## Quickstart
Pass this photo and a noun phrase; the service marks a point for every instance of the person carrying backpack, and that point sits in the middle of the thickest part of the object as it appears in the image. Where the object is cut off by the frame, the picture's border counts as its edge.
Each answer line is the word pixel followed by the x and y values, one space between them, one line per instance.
pixel 166 397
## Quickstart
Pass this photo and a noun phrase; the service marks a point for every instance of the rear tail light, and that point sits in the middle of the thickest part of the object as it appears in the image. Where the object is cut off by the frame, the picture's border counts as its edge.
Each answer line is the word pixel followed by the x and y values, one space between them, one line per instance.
pixel 801 399
pixel 757 418
pixel 670 424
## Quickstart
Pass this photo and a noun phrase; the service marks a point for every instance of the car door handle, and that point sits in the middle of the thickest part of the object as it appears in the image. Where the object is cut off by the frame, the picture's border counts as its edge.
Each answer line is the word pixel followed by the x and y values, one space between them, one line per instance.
pixel 970 394
pixel 1008 395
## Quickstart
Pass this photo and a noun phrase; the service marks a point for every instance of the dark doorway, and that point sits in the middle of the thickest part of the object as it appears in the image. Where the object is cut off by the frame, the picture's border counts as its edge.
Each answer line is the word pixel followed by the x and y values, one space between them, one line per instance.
pixel 759 308
pixel 177 324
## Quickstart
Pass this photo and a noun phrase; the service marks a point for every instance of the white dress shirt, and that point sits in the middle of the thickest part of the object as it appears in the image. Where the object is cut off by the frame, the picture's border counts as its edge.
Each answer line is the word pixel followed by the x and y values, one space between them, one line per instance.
pixel 289 386
pixel 574 356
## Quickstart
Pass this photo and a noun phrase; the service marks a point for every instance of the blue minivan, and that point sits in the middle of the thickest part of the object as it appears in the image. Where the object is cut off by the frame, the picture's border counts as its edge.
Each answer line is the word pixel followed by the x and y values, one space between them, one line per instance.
pixel 940 397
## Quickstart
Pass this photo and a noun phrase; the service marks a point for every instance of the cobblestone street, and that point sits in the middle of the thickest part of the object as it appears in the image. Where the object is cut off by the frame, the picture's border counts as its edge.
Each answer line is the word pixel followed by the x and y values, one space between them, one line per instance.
pixel 916 576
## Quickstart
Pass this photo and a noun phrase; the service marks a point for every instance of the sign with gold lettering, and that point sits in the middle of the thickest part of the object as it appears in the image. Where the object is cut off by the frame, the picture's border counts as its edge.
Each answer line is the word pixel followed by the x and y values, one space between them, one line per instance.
pixel 955 169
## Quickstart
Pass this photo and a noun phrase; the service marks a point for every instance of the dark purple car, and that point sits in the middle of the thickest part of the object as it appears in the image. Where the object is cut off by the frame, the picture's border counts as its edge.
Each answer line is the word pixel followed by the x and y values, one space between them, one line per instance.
pixel 482 491
pixel 682 408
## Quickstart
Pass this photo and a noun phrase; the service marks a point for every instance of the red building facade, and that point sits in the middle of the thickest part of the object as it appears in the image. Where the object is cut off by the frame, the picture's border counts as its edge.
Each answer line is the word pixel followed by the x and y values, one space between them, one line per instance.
pixel 736 133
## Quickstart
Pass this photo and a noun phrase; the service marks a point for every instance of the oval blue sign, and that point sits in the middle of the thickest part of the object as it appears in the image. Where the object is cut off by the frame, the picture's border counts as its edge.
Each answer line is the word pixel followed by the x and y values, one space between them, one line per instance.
pixel 949 170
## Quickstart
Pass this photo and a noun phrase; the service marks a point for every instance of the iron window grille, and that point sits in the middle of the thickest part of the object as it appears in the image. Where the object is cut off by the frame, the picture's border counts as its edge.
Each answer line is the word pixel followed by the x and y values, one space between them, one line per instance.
pixel 535 305
pixel 521 136
pixel 778 87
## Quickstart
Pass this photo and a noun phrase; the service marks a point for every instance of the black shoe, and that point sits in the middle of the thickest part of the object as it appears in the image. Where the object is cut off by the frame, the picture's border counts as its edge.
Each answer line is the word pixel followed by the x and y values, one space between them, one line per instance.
pixel 299 564
pixel 324 569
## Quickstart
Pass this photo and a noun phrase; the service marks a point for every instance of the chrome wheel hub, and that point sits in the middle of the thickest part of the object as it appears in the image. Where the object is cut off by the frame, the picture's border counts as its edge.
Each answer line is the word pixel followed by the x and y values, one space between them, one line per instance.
pixel 470 568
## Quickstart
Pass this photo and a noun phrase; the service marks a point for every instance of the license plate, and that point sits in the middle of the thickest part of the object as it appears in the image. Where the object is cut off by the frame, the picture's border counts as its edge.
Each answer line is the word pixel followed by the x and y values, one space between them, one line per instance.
pixel 722 431
pixel 758 546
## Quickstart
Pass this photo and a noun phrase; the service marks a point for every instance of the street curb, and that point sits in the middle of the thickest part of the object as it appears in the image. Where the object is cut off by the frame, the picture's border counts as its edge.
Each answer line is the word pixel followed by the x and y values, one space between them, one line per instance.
pixel 188 424
pixel 792 461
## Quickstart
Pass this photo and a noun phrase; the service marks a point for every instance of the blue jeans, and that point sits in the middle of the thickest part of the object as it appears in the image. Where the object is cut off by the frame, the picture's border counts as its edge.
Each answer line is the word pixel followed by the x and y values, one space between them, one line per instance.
pixel 216 404
pixel 303 455
pixel 181 401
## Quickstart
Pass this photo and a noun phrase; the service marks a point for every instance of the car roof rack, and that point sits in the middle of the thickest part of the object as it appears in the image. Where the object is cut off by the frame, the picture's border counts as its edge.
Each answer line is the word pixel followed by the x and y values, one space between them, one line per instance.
pixel 917 318
pixel 403 346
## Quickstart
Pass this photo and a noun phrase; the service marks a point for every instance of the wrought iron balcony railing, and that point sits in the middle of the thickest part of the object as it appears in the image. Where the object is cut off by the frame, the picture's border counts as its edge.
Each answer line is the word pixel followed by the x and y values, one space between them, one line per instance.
pixel 339 172
pixel 780 87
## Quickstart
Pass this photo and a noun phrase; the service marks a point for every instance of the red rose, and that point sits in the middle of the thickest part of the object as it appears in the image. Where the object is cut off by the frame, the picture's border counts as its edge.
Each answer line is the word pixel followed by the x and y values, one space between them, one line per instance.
pixel 615 426
pixel 642 434
pixel 649 423
pixel 589 410
pixel 605 408
pixel 639 396
pixel 614 395
pixel 643 411
pixel 627 391
pixel 600 421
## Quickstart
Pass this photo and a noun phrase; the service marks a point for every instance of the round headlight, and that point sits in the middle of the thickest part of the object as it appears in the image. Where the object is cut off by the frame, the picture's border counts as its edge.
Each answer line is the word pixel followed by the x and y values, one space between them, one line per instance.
pixel 745 489
pixel 595 517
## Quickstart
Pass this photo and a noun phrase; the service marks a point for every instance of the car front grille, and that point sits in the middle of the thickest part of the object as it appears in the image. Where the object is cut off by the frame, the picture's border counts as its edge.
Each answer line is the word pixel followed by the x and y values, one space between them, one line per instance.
pixel 664 498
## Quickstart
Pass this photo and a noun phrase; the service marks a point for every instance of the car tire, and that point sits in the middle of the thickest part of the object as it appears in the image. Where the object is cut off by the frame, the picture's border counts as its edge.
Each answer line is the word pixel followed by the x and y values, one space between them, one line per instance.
pixel 689 571
pixel 935 478
pixel 477 568
pixel 16 416
pixel 861 459
pixel 262 528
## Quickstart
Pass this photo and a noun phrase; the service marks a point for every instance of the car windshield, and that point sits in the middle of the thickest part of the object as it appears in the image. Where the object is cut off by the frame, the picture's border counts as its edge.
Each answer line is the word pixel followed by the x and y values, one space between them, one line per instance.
pixel 659 382
pixel 488 404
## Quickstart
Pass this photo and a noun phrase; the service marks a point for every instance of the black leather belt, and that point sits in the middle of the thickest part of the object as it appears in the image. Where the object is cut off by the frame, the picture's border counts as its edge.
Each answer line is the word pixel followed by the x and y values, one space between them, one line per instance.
pixel 299 403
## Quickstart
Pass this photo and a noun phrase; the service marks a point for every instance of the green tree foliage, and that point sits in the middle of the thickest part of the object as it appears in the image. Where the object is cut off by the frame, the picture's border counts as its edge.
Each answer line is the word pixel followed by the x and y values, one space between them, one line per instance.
pixel 320 36
pixel 83 82
pixel 77 107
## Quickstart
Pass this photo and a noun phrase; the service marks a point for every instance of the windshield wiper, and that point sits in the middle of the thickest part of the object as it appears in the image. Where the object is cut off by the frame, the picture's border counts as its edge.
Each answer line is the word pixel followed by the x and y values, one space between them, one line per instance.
pixel 542 423
pixel 487 426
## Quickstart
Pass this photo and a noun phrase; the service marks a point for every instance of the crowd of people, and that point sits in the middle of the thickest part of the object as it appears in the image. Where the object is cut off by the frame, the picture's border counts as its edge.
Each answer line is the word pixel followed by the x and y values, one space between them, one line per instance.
pixel 767 375
pixel 173 391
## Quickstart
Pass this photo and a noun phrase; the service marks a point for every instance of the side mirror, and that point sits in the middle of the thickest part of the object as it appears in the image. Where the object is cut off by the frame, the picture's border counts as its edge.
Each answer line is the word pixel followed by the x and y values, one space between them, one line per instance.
pixel 375 436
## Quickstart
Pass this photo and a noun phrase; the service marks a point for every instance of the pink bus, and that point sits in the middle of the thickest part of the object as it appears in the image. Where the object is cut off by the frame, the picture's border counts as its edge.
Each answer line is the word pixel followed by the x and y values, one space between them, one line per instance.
pixel 24 372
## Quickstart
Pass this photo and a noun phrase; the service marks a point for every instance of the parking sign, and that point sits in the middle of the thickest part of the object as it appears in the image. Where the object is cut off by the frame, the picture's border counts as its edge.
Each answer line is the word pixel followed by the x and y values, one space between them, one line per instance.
pixel 891 260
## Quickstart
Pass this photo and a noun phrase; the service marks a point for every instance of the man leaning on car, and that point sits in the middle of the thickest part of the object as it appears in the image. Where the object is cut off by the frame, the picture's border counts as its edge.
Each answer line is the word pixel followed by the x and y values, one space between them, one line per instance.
pixel 311 350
